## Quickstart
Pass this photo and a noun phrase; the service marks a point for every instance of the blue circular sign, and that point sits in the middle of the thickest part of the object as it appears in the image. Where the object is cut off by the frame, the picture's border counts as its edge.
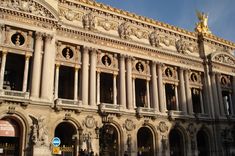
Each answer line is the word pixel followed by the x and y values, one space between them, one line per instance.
pixel 56 141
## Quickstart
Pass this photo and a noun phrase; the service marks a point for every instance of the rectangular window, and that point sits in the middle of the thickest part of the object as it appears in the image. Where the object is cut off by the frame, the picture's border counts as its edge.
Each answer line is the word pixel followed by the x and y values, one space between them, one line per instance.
pixel 140 93
pixel 170 97
pixel 106 88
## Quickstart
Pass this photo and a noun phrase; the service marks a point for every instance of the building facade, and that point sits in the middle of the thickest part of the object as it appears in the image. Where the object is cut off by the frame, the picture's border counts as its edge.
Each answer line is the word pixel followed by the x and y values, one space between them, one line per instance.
pixel 111 82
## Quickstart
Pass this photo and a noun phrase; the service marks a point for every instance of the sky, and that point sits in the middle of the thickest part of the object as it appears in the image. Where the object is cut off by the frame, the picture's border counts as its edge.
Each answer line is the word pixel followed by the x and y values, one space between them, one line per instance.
pixel 182 13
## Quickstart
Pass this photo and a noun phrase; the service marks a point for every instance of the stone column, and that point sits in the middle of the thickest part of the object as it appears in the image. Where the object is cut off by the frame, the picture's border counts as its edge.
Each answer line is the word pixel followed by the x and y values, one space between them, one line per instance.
pixel 133 105
pixel 215 94
pixel 98 87
pixel 233 94
pixel 48 68
pixel 176 98
pixel 129 83
pixel 3 65
pixel 221 102
pixel 37 63
pixel 202 104
pixel 182 91
pixel 231 103
pixel 188 92
pixel 93 77
pixel 114 89
pixel 85 64
pixel 122 87
pixel 148 95
pixel 76 84
pixel 154 87
pixel 57 74
pixel 162 101
pixel 26 71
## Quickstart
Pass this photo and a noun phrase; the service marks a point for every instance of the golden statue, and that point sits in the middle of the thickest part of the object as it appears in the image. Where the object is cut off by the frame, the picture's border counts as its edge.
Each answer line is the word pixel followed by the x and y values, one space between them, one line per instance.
pixel 202 25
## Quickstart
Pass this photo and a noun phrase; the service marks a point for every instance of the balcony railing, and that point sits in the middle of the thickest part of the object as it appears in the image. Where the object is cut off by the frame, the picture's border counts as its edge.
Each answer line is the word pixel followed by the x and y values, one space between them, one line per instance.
pixel 107 107
pixel 67 104
pixel 14 95
pixel 143 111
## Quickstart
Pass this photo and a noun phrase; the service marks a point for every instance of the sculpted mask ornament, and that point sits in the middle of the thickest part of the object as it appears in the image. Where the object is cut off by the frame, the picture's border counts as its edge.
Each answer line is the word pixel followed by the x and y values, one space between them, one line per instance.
pixel 124 31
pixel 191 130
pixel 129 125
pixel 88 21
pixel 202 25
pixel 154 39
pixel 163 127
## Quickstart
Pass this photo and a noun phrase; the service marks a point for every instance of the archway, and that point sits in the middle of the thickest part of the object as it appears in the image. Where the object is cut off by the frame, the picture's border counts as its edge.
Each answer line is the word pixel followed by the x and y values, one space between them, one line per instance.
pixel 176 143
pixel 68 136
pixel 145 142
pixel 109 141
pixel 11 137
pixel 203 144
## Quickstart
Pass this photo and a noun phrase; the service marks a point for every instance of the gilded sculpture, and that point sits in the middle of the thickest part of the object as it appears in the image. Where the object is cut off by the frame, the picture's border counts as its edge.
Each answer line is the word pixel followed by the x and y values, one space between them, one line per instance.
pixel 202 25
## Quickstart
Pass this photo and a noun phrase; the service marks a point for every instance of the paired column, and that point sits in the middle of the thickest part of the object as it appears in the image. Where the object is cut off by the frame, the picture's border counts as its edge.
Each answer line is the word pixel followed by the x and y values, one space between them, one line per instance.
pixel 76 84
pixel 215 94
pixel 188 92
pixel 114 89
pixel 48 68
pixel 154 87
pixel 3 65
pixel 37 63
pixel 148 95
pixel 26 71
pixel 57 74
pixel 93 77
pixel 98 87
pixel 233 95
pixel 122 87
pixel 129 83
pixel 85 64
pixel 161 90
pixel 221 102
pixel 182 91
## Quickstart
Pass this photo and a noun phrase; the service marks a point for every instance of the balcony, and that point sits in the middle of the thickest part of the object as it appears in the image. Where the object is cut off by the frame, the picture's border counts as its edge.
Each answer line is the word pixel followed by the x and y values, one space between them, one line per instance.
pixel 67 104
pixel 13 95
pixel 109 108
pixel 143 111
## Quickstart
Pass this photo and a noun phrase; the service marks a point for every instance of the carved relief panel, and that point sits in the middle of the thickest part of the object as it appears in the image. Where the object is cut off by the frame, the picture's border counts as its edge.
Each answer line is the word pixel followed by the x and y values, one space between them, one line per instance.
pixel 225 81
pixel 170 74
pixel 107 62
pixel 67 54
pixel 141 69
pixel 195 79
pixel 22 40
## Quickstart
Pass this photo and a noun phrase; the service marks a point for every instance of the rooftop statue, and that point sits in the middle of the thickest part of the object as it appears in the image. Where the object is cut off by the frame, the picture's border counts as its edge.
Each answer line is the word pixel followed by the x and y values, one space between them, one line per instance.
pixel 202 25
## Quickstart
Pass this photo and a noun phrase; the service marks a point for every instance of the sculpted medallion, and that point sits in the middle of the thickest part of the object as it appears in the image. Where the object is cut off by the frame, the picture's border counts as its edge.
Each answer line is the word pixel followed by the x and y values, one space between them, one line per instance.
pixel 90 121
pixel 129 125
pixel 163 127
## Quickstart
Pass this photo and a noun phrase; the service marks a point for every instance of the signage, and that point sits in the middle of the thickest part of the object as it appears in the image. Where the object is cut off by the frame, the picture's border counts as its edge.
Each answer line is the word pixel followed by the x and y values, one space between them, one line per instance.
pixel 56 150
pixel 7 129
pixel 56 141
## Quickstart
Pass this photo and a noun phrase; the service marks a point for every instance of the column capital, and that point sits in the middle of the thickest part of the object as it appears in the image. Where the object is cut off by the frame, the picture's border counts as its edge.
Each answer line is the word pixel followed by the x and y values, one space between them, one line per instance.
pixel 39 35
pixel 4 51
pixel 93 51
pixel 76 67
pixel 57 64
pixel 160 64
pixel 27 55
pixel 86 49
pixel 48 37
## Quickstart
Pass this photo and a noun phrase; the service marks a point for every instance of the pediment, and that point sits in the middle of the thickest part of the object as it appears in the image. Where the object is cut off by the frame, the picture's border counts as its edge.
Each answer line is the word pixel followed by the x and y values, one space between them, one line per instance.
pixel 34 7
pixel 223 58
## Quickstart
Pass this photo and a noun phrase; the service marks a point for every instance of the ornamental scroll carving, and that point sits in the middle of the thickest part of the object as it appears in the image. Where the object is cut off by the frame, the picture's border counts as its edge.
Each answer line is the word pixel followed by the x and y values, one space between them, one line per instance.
pixel 223 58
pixel 69 14
pixel 26 6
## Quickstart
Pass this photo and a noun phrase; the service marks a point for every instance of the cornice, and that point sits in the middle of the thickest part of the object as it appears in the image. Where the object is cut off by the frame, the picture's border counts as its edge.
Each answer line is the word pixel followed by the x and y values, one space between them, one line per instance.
pixel 152 22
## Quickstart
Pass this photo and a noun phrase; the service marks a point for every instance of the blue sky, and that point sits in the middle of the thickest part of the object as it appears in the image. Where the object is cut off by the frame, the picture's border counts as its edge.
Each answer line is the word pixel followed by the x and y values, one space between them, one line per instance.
pixel 182 13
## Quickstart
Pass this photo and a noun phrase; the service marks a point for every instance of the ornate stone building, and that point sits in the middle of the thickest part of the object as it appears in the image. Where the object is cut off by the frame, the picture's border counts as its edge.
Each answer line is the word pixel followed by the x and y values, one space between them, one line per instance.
pixel 109 81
